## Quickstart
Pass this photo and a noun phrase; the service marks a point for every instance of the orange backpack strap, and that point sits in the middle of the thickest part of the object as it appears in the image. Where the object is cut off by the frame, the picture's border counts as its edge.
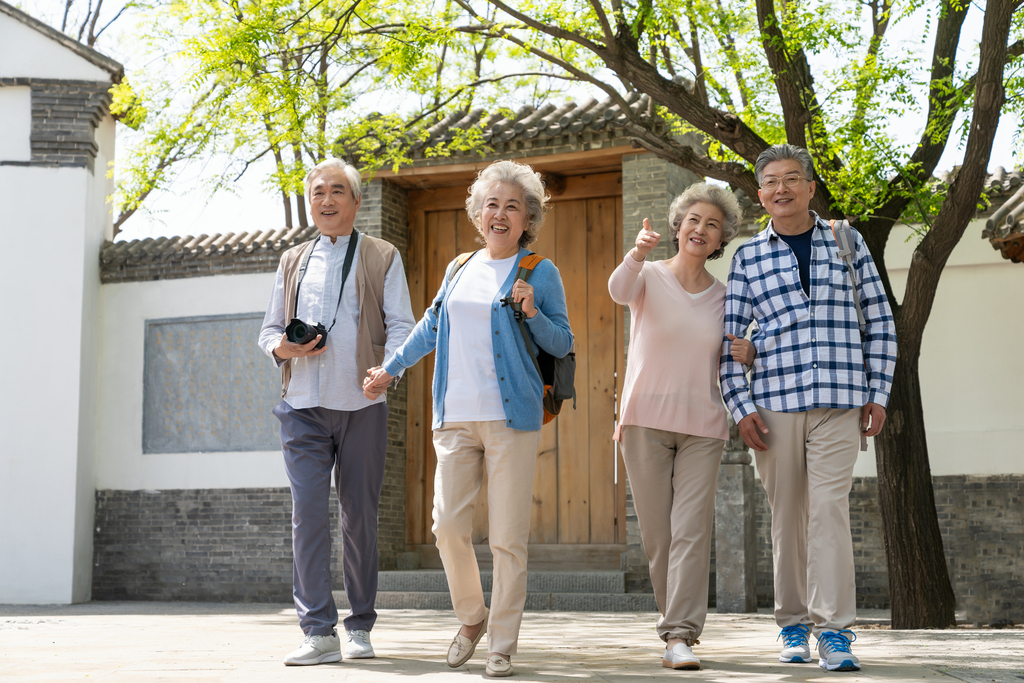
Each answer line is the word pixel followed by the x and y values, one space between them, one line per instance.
pixel 526 266
pixel 460 261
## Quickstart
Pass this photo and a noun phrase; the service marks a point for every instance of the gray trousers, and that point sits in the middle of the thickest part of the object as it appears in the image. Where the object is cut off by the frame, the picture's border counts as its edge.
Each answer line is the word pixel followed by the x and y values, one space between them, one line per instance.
pixel 353 444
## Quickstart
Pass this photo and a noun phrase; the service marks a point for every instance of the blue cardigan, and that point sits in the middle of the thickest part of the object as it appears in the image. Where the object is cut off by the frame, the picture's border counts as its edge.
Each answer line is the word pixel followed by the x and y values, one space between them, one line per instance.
pixel 520 385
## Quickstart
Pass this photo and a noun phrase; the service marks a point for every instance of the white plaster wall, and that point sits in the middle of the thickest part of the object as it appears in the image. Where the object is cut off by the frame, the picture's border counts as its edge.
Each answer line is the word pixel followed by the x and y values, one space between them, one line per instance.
pixel 42 271
pixel 26 53
pixel 16 123
pixel 970 374
pixel 124 309
pixel 98 225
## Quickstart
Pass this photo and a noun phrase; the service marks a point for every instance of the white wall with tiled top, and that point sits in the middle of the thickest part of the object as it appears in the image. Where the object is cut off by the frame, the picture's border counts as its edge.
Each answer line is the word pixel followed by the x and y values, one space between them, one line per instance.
pixel 124 310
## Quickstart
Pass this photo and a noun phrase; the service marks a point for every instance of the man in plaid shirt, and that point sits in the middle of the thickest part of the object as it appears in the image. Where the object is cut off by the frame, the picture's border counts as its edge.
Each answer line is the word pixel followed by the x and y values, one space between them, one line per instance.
pixel 818 384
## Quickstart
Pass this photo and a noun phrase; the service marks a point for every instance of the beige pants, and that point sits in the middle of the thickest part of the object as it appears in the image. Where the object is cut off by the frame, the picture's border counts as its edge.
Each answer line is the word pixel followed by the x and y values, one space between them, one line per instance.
pixel 463 450
pixel 807 473
pixel 673 478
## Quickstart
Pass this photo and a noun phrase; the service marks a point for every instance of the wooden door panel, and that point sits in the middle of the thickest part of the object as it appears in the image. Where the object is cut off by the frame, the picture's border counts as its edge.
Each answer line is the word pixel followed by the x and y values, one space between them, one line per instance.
pixel 569 220
pixel 600 376
pixel 579 485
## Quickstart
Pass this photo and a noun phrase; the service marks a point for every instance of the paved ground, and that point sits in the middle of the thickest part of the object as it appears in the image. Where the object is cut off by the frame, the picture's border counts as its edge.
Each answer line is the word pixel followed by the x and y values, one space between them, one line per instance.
pixel 140 641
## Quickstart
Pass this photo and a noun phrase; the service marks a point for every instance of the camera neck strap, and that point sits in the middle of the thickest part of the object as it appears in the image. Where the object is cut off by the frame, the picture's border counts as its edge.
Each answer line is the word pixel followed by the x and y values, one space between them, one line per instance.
pixel 345 268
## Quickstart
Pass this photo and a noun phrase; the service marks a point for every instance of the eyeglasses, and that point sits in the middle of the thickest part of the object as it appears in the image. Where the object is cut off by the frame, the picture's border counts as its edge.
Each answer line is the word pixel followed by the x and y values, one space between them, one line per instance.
pixel 771 182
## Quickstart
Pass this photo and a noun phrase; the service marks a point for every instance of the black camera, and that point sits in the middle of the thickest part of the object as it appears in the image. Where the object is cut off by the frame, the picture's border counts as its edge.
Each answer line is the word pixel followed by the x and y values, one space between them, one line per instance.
pixel 299 332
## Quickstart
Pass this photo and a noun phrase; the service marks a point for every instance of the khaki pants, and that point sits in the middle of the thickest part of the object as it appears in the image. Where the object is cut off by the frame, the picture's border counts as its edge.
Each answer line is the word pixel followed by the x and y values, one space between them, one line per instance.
pixel 673 478
pixel 807 473
pixel 463 450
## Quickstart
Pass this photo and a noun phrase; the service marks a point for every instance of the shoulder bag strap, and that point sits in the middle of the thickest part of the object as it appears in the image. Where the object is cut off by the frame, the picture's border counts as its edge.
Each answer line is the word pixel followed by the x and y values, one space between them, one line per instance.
pixel 844 241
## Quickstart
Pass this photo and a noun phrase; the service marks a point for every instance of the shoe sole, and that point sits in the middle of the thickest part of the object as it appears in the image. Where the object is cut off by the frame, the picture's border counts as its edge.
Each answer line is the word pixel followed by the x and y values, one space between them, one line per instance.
pixel 794 660
pixel 328 658
pixel 680 666
pixel 365 655
pixel 845 665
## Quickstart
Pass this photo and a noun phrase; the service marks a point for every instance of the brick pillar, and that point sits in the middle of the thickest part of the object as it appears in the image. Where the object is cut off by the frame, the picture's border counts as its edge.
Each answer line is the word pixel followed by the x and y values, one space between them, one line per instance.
pixel 649 185
pixel 383 214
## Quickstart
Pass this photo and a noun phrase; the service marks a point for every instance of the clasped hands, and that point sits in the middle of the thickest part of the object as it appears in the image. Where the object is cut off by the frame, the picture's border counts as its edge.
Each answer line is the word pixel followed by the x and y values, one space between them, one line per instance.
pixel 376 382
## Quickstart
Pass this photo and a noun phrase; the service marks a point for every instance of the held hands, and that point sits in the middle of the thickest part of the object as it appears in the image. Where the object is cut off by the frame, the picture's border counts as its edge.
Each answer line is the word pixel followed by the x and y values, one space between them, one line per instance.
pixel 741 350
pixel 522 293
pixel 286 349
pixel 646 240
pixel 872 417
pixel 376 383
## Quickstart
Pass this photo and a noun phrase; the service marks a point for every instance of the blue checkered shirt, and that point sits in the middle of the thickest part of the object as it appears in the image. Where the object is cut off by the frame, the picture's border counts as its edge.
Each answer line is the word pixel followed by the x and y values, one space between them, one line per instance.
pixel 810 350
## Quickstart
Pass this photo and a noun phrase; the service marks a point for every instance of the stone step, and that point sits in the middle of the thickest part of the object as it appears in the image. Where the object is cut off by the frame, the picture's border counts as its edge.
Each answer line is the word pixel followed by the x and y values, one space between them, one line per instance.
pixel 535 602
pixel 433 580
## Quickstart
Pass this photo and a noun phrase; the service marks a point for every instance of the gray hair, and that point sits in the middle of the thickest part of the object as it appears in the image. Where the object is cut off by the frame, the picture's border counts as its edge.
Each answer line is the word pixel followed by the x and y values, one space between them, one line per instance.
pixel 521 176
pixel 708 194
pixel 355 180
pixel 781 152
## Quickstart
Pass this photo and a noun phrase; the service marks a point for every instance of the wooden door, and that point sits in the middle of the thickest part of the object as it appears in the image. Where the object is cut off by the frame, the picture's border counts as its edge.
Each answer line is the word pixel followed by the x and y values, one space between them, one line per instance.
pixel 579 487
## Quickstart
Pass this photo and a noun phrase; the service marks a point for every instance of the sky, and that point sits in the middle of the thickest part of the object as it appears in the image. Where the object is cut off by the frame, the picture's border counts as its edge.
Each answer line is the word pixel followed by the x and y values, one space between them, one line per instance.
pixel 186 209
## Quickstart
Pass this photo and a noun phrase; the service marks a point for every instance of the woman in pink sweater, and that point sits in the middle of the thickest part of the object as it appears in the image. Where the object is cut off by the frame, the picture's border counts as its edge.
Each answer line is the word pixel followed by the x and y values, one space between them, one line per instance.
pixel 673 424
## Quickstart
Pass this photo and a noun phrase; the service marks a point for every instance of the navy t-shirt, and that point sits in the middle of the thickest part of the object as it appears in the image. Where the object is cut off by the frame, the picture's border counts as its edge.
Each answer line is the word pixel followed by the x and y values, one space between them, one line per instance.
pixel 801 246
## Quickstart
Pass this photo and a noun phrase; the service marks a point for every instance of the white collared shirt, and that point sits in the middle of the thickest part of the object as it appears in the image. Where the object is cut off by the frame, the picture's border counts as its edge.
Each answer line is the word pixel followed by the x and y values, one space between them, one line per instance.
pixel 332 379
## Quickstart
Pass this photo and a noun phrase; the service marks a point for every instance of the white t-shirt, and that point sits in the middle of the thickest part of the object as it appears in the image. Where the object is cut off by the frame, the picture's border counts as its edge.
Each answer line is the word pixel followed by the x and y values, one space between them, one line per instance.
pixel 472 393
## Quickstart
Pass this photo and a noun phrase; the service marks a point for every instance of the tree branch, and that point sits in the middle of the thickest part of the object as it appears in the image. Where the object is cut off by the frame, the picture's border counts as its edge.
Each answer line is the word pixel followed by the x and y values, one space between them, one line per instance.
pixel 931 255
pixel 942 110
pixel 606 27
pixel 792 76
pixel 668 148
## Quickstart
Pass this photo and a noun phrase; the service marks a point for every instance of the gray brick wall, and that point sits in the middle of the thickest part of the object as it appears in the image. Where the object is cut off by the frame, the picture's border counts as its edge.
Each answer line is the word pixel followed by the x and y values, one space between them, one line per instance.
pixel 221 544
pixel 236 544
pixel 64 115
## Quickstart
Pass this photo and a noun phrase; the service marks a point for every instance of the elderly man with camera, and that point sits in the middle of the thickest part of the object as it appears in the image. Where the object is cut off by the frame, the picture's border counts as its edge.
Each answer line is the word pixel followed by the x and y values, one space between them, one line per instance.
pixel 340 306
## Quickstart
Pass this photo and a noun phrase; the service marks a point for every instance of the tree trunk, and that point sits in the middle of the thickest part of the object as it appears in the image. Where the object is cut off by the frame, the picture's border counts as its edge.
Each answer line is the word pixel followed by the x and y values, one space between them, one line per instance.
pixel 919 590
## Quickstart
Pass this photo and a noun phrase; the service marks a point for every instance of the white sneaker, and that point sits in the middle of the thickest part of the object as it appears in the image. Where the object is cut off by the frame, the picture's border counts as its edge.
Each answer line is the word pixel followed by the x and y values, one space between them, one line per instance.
pixel 795 648
pixel 358 645
pixel 680 656
pixel 316 650
pixel 834 651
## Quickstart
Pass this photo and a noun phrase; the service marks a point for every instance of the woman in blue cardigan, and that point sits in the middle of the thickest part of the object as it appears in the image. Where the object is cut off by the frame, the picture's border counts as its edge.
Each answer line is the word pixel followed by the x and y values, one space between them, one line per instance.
pixel 488 402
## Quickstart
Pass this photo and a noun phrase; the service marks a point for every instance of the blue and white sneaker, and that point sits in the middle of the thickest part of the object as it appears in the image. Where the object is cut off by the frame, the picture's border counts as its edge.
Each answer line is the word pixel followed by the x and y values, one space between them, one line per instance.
pixel 834 651
pixel 796 649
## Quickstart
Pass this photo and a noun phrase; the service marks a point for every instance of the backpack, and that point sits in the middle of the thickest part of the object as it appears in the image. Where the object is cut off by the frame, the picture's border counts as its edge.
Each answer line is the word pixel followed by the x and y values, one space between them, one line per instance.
pixel 558 375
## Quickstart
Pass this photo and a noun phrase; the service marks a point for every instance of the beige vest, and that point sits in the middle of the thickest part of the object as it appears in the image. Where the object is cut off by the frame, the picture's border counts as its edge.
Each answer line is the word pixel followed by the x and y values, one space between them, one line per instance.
pixel 375 257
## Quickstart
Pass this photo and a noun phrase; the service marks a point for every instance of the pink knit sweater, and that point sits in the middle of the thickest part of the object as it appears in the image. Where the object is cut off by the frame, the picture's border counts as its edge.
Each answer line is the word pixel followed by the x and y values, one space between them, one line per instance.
pixel 674 345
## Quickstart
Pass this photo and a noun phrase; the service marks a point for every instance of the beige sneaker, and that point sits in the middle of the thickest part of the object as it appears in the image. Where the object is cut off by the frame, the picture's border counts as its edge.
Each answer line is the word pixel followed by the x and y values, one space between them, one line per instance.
pixel 316 650
pixel 498 666
pixel 462 648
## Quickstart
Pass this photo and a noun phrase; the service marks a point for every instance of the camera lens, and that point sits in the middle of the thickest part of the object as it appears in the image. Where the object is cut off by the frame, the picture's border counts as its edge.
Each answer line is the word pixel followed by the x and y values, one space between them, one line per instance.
pixel 299 332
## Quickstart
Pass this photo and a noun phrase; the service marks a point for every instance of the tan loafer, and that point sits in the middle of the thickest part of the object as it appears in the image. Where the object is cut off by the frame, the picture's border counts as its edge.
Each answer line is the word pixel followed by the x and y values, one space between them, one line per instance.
pixel 462 648
pixel 498 667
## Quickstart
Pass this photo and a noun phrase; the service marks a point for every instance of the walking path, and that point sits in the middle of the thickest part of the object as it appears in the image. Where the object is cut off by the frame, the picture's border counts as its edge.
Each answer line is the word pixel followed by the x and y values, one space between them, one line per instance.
pixel 204 642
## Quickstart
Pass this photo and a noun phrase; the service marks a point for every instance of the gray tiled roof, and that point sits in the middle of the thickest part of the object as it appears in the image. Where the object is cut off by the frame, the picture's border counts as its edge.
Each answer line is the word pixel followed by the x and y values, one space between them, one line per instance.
pixel 527 123
pixel 1005 227
pixel 260 248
